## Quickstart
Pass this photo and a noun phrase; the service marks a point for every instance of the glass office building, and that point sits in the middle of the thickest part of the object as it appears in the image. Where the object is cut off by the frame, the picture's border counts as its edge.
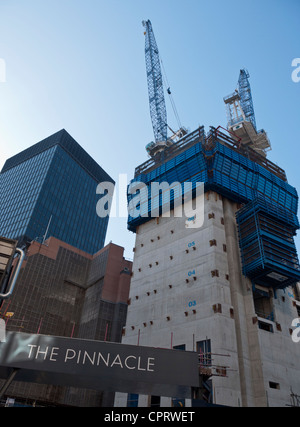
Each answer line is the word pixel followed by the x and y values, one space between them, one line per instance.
pixel 50 189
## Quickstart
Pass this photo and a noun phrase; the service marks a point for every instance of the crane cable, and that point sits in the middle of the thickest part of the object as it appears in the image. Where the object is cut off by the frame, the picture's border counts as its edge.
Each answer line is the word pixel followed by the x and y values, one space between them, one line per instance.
pixel 167 85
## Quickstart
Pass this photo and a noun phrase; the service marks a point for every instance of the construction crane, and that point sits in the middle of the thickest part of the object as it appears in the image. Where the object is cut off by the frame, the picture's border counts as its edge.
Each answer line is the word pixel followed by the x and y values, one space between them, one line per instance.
pixel 157 103
pixel 244 90
pixel 241 118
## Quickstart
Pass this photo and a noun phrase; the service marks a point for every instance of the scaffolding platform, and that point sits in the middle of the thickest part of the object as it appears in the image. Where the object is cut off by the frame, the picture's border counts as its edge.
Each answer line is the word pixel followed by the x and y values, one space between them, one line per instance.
pixel 217 160
pixel 269 255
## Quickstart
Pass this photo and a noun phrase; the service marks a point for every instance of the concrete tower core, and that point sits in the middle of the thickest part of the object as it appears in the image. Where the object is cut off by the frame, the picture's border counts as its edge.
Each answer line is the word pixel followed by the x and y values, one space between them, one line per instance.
pixel 226 288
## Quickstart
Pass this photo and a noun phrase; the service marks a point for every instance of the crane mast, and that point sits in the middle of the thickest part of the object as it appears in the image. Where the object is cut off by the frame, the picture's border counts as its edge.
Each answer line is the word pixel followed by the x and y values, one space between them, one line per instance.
pixel 158 111
pixel 246 96
pixel 157 104
pixel 241 118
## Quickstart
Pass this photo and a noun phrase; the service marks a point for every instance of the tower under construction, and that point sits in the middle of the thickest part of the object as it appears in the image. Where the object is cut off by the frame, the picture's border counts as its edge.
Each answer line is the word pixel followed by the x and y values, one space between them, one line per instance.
pixel 227 286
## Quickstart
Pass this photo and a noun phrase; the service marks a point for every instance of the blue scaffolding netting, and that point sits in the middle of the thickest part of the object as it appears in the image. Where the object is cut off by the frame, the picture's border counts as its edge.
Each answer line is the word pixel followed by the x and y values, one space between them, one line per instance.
pixel 268 253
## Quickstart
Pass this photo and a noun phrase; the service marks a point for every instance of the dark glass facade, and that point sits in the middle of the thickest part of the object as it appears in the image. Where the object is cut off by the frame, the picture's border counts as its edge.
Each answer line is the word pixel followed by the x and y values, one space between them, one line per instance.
pixel 53 184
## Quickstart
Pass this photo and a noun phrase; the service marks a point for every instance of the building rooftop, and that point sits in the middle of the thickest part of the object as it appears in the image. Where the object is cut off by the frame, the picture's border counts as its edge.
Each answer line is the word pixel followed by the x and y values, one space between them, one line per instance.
pixel 68 143
pixel 213 136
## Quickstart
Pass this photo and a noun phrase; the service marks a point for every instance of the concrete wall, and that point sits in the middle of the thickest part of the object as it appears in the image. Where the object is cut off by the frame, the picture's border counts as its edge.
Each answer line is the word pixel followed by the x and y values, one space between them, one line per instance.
pixel 187 286
pixel 178 276
pixel 280 355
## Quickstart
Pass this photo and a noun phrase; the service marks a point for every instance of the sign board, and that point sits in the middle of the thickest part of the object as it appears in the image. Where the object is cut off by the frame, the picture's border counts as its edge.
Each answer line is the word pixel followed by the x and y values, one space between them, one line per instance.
pixel 99 365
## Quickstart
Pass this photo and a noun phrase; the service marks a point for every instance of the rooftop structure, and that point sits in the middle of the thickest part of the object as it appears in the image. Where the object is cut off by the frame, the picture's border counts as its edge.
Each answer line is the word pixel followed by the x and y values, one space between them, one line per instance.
pixel 241 120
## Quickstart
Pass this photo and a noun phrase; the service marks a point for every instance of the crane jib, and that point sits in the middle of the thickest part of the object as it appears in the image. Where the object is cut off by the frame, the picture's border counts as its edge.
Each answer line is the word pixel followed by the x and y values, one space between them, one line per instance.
pixel 158 110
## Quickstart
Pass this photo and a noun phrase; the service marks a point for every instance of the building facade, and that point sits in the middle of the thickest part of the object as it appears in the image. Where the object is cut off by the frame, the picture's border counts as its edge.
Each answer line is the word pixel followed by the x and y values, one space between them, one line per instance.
pixel 226 289
pixel 50 190
pixel 64 291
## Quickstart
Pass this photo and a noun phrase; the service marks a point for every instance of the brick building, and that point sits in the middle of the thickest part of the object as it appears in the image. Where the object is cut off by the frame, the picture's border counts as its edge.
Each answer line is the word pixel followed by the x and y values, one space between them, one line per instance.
pixel 64 291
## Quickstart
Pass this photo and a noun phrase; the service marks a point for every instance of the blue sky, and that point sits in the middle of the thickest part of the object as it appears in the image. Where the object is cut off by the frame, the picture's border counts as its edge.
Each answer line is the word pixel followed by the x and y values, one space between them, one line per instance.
pixel 79 65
